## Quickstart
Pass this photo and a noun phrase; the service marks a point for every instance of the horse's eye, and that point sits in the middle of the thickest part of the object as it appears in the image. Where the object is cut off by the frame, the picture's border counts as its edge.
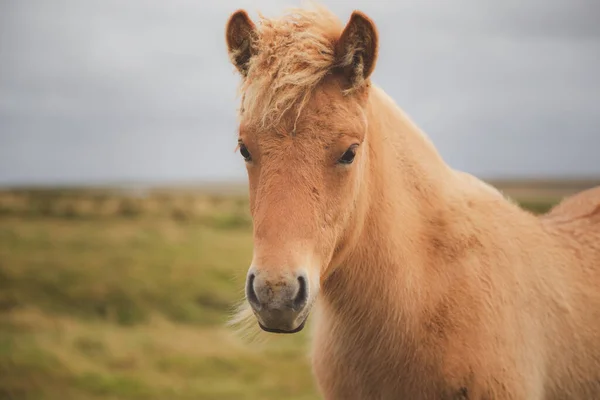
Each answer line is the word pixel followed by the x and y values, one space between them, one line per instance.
pixel 348 156
pixel 245 153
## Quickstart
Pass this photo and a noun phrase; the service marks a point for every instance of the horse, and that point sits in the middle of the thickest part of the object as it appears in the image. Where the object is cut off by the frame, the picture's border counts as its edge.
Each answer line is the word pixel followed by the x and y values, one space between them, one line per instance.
pixel 425 282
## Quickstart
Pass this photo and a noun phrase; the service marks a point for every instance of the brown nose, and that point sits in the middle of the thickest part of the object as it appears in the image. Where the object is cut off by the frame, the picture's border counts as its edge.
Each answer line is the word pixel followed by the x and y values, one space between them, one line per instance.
pixel 278 302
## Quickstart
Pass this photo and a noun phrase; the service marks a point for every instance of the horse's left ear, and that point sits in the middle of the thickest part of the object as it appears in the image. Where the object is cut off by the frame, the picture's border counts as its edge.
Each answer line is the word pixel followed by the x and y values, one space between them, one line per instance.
pixel 356 49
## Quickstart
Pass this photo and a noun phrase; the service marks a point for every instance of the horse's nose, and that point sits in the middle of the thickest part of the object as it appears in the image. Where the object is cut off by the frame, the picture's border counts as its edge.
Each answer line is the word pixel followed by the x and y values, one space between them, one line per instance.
pixel 281 294
pixel 279 301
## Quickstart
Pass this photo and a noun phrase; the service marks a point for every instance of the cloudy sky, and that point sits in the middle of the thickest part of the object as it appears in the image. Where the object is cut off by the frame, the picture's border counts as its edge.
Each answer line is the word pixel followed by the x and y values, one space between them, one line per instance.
pixel 101 91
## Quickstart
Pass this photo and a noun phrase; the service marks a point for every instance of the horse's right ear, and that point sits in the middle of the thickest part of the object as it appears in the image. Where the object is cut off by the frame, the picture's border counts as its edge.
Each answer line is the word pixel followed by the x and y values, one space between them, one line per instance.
pixel 240 35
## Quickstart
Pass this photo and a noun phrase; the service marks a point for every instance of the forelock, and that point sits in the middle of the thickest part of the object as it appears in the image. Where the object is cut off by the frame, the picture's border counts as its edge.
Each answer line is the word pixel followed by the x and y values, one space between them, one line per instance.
pixel 293 54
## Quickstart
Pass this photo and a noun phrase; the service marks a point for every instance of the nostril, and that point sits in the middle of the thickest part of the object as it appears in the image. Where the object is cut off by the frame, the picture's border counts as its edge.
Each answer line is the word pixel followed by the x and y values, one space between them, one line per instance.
pixel 302 296
pixel 250 293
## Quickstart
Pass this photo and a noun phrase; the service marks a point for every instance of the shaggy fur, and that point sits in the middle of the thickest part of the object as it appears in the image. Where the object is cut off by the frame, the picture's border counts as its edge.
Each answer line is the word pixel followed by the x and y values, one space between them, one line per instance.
pixel 427 283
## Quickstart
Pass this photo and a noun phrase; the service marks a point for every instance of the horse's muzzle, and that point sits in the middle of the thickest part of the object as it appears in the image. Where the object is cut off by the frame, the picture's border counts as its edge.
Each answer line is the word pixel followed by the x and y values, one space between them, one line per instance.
pixel 280 303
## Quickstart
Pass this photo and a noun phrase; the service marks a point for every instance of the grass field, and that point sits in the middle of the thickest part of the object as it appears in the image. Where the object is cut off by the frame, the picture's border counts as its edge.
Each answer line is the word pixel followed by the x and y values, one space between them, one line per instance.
pixel 106 295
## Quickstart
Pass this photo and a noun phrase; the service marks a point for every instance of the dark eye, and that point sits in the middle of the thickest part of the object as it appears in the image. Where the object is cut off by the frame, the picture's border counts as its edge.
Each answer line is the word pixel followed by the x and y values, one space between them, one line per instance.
pixel 349 155
pixel 245 153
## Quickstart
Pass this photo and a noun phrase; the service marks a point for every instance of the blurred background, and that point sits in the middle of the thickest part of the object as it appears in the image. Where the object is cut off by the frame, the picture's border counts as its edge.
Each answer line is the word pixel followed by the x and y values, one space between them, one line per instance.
pixel 124 226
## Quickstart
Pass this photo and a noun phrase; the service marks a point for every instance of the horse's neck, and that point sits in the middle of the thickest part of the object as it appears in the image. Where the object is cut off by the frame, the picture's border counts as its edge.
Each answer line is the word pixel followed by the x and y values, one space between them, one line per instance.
pixel 408 182
pixel 407 149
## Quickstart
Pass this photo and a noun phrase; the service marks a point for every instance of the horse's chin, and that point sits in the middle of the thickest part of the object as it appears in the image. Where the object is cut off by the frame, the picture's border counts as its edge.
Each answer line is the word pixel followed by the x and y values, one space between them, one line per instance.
pixel 270 330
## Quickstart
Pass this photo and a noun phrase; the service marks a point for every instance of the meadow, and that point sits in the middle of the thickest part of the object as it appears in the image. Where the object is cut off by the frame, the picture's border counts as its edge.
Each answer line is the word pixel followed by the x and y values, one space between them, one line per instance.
pixel 108 294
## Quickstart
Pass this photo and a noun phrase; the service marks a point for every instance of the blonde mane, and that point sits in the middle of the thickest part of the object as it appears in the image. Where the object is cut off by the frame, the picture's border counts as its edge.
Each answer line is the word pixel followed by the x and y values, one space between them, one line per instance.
pixel 292 55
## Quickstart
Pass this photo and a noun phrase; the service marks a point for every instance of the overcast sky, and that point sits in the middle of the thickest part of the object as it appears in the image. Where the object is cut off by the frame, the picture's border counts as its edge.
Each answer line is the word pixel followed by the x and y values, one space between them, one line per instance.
pixel 100 91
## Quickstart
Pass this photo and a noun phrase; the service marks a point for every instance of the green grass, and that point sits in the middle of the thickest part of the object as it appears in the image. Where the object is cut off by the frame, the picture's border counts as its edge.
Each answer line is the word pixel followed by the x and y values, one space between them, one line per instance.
pixel 133 306
pixel 539 206
pixel 108 297
pixel 120 270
